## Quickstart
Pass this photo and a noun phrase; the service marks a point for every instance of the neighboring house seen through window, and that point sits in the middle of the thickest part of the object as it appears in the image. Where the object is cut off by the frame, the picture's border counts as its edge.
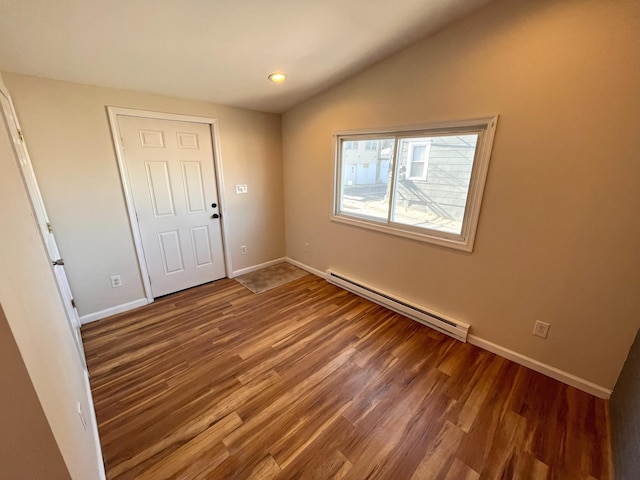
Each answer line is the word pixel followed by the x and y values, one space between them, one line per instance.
pixel 421 182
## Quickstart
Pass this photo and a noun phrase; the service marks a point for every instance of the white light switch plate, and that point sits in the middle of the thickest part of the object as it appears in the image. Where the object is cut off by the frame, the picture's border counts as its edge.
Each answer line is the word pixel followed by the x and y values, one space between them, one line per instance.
pixel 241 189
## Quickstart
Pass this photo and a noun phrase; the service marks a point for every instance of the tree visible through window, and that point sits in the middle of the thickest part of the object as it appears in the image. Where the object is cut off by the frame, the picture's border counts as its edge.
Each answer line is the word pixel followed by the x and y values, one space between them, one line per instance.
pixel 424 183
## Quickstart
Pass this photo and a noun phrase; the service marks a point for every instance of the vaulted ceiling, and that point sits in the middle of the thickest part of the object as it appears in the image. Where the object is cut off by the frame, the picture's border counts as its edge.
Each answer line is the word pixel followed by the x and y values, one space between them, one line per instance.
pixel 215 50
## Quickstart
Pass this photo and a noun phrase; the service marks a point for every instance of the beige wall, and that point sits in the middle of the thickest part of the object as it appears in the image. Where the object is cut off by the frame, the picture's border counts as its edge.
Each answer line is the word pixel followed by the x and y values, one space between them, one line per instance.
pixel 67 132
pixel 34 312
pixel 558 233
pixel 27 447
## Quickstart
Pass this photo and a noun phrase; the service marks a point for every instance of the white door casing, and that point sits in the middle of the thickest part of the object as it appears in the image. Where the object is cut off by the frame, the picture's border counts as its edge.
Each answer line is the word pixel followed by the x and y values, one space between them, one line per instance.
pixel 172 180
pixel 42 219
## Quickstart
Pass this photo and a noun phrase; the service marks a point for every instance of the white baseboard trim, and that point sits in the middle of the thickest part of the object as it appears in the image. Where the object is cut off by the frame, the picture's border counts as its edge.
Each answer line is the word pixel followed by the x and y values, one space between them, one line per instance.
pixel 242 271
pixel 93 421
pixel 92 317
pixel 309 269
pixel 553 372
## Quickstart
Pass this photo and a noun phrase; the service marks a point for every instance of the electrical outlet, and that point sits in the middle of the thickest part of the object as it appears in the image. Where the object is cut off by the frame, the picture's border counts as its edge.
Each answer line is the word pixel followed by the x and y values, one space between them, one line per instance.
pixel 82 417
pixel 307 248
pixel 541 329
pixel 243 249
pixel 241 189
pixel 116 281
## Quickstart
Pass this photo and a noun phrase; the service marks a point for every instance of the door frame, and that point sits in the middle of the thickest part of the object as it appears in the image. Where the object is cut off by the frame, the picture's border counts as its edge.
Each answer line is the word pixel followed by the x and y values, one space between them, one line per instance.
pixel 113 113
pixel 23 159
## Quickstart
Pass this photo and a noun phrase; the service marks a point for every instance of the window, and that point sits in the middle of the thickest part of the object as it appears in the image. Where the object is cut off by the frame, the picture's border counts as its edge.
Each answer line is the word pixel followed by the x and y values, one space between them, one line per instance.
pixel 423 182
pixel 417 159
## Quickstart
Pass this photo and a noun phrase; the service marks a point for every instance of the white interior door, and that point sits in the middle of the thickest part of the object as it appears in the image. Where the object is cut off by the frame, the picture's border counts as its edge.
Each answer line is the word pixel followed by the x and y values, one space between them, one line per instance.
pixel 41 217
pixel 171 173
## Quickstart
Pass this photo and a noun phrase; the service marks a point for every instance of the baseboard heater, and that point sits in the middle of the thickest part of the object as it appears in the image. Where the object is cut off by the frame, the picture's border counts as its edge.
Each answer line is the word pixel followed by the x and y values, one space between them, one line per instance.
pixel 453 328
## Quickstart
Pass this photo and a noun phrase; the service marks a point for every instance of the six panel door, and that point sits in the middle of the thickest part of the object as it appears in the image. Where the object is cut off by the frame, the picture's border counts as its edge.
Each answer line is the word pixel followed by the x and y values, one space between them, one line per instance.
pixel 172 177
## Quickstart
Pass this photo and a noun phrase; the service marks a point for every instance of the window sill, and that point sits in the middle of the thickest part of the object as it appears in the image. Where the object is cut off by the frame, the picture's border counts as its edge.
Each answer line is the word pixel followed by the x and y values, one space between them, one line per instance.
pixel 457 242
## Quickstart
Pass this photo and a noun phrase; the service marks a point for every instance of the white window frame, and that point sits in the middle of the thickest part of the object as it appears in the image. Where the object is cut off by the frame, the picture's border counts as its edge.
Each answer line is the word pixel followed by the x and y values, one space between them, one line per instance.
pixel 485 127
pixel 410 160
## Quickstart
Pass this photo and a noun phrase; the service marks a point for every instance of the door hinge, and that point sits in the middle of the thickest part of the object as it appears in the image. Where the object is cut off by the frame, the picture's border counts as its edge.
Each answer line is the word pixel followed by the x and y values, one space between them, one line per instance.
pixel 73 303
pixel 20 135
pixel 49 227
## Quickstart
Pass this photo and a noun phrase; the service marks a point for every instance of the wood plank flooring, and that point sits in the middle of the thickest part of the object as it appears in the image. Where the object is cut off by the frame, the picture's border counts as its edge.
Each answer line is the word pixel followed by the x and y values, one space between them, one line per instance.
pixel 308 381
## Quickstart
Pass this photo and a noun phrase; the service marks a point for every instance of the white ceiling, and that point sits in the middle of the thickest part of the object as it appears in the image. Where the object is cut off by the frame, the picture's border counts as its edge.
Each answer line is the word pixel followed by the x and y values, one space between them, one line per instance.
pixel 214 50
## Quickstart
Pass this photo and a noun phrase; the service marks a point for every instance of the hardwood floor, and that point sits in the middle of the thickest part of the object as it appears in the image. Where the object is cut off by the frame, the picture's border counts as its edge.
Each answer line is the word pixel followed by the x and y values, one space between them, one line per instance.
pixel 308 381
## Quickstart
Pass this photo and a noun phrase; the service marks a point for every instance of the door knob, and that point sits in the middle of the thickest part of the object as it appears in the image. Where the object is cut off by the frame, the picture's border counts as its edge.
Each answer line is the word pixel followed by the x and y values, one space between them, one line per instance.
pixel 214 205
pixel 215 215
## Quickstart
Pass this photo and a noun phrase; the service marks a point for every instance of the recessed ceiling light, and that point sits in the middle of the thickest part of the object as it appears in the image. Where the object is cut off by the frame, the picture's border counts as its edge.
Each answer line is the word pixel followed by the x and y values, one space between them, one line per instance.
pixel 277 77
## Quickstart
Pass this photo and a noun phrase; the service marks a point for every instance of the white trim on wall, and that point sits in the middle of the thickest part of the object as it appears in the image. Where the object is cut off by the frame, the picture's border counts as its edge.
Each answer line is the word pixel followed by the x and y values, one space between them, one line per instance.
pixel 548 370
pixel 102 475
pixel 107 312
pixel 309 269
pixel 141 302
pixel 553 372
pixel 253 268
pixel 113 113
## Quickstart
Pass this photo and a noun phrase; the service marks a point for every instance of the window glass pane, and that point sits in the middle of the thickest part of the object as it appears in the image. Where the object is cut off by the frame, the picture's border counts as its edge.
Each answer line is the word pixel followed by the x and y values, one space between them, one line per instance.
pixel 417 169
pixel 365 175
pixel 433 180
pixel 419 153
